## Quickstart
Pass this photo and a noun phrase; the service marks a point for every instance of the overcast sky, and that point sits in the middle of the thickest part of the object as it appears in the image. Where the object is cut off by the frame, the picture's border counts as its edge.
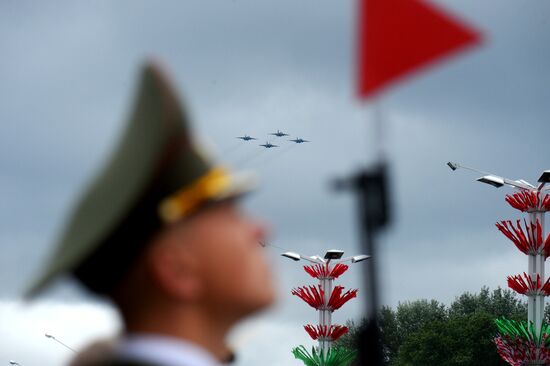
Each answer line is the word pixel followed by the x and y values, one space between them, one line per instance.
pixel 68 70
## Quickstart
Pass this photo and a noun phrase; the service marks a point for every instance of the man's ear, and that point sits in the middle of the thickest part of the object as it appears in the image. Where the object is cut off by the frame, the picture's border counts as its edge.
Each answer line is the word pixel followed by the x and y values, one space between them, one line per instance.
pixel 175 270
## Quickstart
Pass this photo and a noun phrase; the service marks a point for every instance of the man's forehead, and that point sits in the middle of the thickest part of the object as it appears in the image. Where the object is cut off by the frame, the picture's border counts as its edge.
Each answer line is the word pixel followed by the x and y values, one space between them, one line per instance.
pixel 215 210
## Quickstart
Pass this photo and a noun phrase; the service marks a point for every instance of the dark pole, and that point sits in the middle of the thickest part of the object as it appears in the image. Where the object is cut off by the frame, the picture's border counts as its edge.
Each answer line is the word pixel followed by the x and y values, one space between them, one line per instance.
pixel 370 186
pixel 373 216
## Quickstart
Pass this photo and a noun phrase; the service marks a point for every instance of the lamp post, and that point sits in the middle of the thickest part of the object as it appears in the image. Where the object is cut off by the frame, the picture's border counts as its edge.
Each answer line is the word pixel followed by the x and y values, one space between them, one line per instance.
pixel 58 341
pixel 532 200
pixel 326 298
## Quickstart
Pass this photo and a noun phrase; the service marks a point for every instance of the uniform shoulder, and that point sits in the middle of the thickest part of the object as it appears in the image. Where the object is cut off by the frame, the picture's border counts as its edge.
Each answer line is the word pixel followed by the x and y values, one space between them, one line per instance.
pixel 120 362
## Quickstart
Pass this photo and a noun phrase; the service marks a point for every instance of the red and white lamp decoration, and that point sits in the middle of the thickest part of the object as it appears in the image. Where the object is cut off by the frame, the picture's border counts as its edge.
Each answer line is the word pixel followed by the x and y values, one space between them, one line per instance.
pixel 530 238
pixel 325 297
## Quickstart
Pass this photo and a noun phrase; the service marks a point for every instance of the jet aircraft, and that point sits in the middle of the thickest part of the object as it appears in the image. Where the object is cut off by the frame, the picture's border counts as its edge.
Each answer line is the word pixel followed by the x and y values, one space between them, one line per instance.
pixel 299 141
pixel 246 138
pixel 279 134
pixel 268 145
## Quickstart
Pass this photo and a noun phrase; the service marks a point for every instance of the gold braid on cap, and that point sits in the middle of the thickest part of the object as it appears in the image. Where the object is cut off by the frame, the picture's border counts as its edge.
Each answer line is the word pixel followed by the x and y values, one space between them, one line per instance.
pixel 187 199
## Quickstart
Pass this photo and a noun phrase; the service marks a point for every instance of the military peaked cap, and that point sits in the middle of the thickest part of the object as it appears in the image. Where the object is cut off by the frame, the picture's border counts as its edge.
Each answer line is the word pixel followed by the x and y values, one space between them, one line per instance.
pixel 156 175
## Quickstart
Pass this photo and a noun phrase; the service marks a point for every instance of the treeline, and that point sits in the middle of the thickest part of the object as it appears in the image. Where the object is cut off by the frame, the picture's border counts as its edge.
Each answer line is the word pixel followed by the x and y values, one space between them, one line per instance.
pixel 429 333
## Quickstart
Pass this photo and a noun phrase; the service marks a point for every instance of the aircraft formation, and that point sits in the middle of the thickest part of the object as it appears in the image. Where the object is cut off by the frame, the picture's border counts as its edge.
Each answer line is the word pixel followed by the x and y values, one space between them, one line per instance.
pixel 269 145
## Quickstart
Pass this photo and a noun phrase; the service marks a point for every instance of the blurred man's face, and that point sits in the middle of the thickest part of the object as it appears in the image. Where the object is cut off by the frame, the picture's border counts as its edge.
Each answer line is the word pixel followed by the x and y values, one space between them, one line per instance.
pixel 230 264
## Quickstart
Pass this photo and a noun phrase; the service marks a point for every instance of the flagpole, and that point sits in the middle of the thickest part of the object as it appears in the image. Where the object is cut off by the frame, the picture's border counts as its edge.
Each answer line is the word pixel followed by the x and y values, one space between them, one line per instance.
pixel 373 215
pixel 370 186
pixel 383 27
pixel 379 134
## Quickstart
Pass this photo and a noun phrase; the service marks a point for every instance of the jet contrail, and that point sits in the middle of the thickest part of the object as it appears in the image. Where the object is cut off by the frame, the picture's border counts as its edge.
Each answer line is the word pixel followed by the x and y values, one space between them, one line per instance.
pixel 248 159
pixel 224 153
pixel 275 155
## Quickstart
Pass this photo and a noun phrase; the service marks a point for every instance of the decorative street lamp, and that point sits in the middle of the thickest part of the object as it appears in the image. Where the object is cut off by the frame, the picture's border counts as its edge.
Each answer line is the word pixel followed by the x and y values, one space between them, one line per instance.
pixel 325 298
pixel 525 343
pixel 58 341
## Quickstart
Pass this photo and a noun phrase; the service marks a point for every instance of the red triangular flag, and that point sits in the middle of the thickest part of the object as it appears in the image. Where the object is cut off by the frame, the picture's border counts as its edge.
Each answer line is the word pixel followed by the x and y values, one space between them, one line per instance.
pixel 399 36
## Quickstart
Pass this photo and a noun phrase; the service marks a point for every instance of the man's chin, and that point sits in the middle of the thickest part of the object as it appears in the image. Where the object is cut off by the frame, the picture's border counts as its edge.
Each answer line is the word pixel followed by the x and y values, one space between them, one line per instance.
pixel 259 305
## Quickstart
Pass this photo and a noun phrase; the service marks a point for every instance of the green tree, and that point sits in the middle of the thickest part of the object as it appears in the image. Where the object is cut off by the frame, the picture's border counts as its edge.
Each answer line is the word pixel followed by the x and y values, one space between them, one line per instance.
pixel 499 303
pixel 425 333
pixel 391 336
pixel 464 340
pixel 349 340
pixel 547 314
pixel 414 315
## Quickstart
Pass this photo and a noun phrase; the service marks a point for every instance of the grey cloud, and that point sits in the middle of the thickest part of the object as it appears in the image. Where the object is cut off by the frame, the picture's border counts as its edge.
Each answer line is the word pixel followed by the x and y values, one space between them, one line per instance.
pixel 257 66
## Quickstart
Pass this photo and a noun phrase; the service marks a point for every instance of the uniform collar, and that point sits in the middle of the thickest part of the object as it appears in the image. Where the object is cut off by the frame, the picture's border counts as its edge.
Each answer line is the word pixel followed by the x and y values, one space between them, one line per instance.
pixel 162 350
